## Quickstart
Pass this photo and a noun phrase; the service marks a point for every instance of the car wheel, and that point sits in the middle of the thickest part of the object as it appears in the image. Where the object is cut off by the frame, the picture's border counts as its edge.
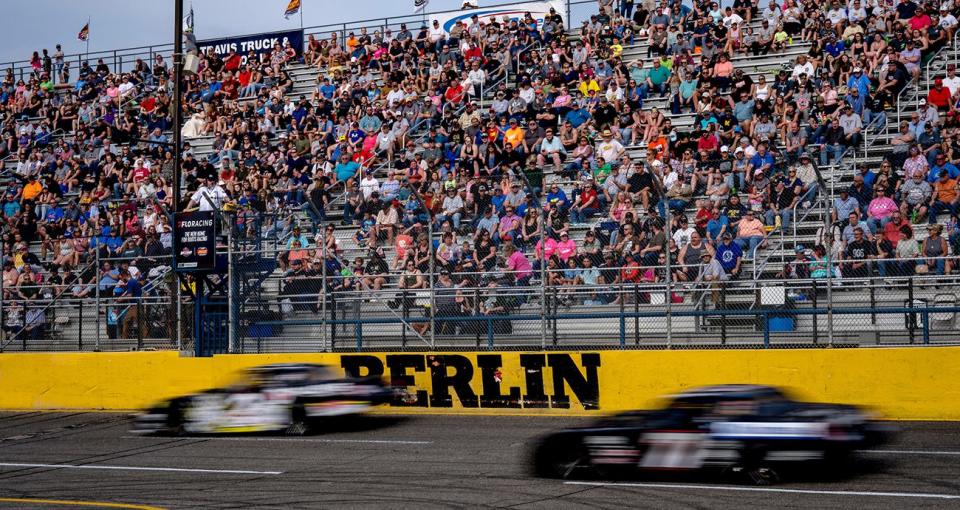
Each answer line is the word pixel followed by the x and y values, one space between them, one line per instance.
pixel 763 476
pixel 298 421
pixel 555 459
pixel 176 416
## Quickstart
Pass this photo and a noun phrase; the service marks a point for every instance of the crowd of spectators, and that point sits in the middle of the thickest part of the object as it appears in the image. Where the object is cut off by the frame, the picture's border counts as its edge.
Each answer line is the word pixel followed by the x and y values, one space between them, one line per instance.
pixel 506 138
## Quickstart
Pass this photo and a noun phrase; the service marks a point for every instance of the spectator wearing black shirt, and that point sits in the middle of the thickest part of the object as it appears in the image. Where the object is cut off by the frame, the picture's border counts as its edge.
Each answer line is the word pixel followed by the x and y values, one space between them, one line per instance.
pixel 858 254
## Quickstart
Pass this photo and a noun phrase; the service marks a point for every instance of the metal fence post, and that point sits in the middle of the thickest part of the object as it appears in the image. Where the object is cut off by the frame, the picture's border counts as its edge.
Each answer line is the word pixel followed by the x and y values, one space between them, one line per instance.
pixel 231 289
pixel 138 307
pixel 323 302
pixel 178 294
pixel 96 282
pixel 816 321
pixel 623 320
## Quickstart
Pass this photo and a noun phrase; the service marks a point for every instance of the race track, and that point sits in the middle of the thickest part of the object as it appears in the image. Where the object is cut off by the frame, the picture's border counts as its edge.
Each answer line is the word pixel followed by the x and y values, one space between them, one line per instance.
pixel 91 460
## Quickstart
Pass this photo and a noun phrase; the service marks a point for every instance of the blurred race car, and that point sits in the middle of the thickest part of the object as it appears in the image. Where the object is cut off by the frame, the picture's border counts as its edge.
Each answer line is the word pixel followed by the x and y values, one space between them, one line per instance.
pixel 747 429
pixel 281 397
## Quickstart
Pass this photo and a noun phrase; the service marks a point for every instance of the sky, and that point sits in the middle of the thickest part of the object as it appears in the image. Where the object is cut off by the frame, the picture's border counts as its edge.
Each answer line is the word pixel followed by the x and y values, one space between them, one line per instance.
pixel 116 24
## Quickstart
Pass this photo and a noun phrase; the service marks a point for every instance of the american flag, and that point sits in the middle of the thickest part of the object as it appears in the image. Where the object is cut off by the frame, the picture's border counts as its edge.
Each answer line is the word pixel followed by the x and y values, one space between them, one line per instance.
pixel 84 32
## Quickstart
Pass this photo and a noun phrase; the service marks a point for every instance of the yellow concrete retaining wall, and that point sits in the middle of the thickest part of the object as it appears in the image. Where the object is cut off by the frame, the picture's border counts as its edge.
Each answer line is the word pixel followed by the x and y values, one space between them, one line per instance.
pixel 907 383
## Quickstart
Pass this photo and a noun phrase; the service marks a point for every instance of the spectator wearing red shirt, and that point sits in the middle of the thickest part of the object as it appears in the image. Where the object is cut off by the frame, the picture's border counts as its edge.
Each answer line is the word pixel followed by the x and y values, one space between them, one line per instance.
pixel 232 61
pixel 707 143
pixel 939 95
pixel 920 20
pixel 230 87
pixel 243 77
pixel 454 93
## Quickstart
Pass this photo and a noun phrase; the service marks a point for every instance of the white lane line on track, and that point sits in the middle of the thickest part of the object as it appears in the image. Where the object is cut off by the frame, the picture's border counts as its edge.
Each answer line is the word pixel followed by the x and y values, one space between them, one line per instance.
pixel 911 452
pixel 771 489
pixel 298 440
pixel 140 468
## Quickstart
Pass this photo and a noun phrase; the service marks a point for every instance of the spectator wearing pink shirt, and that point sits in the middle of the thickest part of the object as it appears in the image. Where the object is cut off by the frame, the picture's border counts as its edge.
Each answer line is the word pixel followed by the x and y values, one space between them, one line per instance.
pixel 518 264
pixel 566 247
pixel 509 224
pixel 750 233
pixel 879 211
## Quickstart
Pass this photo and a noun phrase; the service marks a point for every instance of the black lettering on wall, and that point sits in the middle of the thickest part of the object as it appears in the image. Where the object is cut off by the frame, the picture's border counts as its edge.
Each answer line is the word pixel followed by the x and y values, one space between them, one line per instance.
pixel 362 365
pixel 459 380
pixel 490 372
pixel 585 386
pixel 533 364
pixel 400 378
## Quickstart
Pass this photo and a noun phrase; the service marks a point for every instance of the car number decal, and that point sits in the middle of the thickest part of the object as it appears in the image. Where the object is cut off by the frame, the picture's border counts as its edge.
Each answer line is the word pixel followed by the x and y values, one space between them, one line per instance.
pixel 672 450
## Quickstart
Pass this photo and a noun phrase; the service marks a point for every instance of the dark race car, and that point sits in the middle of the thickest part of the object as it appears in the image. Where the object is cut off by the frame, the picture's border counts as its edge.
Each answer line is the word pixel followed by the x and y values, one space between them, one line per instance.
pixel 746 429
pixel 282 397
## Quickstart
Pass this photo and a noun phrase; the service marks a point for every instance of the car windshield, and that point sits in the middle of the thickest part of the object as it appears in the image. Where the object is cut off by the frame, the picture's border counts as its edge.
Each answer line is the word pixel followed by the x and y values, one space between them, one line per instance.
pixel 255 379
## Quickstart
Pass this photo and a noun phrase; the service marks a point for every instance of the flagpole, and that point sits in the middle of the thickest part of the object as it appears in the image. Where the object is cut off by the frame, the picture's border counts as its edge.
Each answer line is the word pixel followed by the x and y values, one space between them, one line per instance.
pixel 86 56
pixel 301 18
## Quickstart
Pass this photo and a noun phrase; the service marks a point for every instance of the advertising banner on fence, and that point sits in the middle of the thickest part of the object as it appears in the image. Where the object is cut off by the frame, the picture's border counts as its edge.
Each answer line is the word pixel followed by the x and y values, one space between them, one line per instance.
pixel 258 43
pixel 195 241
pixel 485 15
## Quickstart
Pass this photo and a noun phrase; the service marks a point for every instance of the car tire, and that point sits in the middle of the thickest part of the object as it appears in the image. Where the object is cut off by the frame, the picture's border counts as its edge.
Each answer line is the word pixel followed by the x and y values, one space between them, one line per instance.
pixel 176 418
pixel 299 424
pixel 559 459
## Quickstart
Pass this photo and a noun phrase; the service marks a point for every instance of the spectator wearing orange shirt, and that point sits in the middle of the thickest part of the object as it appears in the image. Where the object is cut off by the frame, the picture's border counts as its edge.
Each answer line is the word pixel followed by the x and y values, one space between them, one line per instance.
pixel 31 190
pixel 514 134
pixel 945 196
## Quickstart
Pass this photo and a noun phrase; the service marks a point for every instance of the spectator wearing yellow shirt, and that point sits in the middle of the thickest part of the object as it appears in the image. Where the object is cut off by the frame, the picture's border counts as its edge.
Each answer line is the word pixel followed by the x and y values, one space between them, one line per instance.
pixel 616 49
pixel 32 189
pixel 587 84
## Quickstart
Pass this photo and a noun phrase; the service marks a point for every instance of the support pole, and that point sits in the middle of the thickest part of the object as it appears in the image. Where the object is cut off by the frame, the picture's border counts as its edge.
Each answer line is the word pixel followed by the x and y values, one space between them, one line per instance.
pixel 177 92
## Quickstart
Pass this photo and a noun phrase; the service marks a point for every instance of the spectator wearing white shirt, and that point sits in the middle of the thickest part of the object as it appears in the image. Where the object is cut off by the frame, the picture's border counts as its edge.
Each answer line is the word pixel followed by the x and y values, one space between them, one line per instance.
pixel 609 149
pixel 209 197
pixel 948 21
pixel 476 77
pixel 731 17
pixel 952 81
pixel 369 184
pixel 802 67
pixel 436 35
pixel 550 147
pixel 837 16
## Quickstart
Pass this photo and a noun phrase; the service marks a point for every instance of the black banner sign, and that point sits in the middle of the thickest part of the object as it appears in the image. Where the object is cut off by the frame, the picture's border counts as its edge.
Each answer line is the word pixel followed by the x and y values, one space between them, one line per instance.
pixel 259 43
pixel 502 383
pixel 194 241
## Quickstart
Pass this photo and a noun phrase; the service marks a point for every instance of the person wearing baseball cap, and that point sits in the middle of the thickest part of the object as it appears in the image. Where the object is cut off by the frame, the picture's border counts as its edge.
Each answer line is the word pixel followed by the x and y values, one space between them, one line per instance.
pixel 939 95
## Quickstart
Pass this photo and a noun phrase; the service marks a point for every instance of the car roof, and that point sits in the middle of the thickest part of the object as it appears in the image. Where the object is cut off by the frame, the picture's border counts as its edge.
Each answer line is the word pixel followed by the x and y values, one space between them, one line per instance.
pixel 728 391
pixel 287 367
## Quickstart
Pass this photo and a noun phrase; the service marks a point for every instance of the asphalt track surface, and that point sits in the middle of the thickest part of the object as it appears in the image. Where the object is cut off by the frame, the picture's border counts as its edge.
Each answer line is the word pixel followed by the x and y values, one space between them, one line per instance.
pixel 55 460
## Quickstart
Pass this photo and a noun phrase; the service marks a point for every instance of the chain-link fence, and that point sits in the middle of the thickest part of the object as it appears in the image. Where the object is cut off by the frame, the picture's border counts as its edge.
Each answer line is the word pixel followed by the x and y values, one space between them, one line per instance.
pixel 106 304
pixel 285 299
pixel 332 299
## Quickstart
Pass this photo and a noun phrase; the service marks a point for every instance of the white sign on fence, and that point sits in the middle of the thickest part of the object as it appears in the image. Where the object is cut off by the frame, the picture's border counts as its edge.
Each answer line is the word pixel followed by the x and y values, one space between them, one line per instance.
pixel 485 15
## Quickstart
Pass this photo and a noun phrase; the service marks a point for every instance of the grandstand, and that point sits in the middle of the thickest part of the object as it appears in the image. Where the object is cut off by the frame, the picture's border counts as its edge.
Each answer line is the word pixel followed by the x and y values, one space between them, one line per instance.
pixel 348 175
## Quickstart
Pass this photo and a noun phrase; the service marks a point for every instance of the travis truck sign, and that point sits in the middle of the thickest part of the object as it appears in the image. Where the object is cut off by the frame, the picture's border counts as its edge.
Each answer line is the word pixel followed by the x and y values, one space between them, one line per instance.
pixel 194 241
pixel 258 43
